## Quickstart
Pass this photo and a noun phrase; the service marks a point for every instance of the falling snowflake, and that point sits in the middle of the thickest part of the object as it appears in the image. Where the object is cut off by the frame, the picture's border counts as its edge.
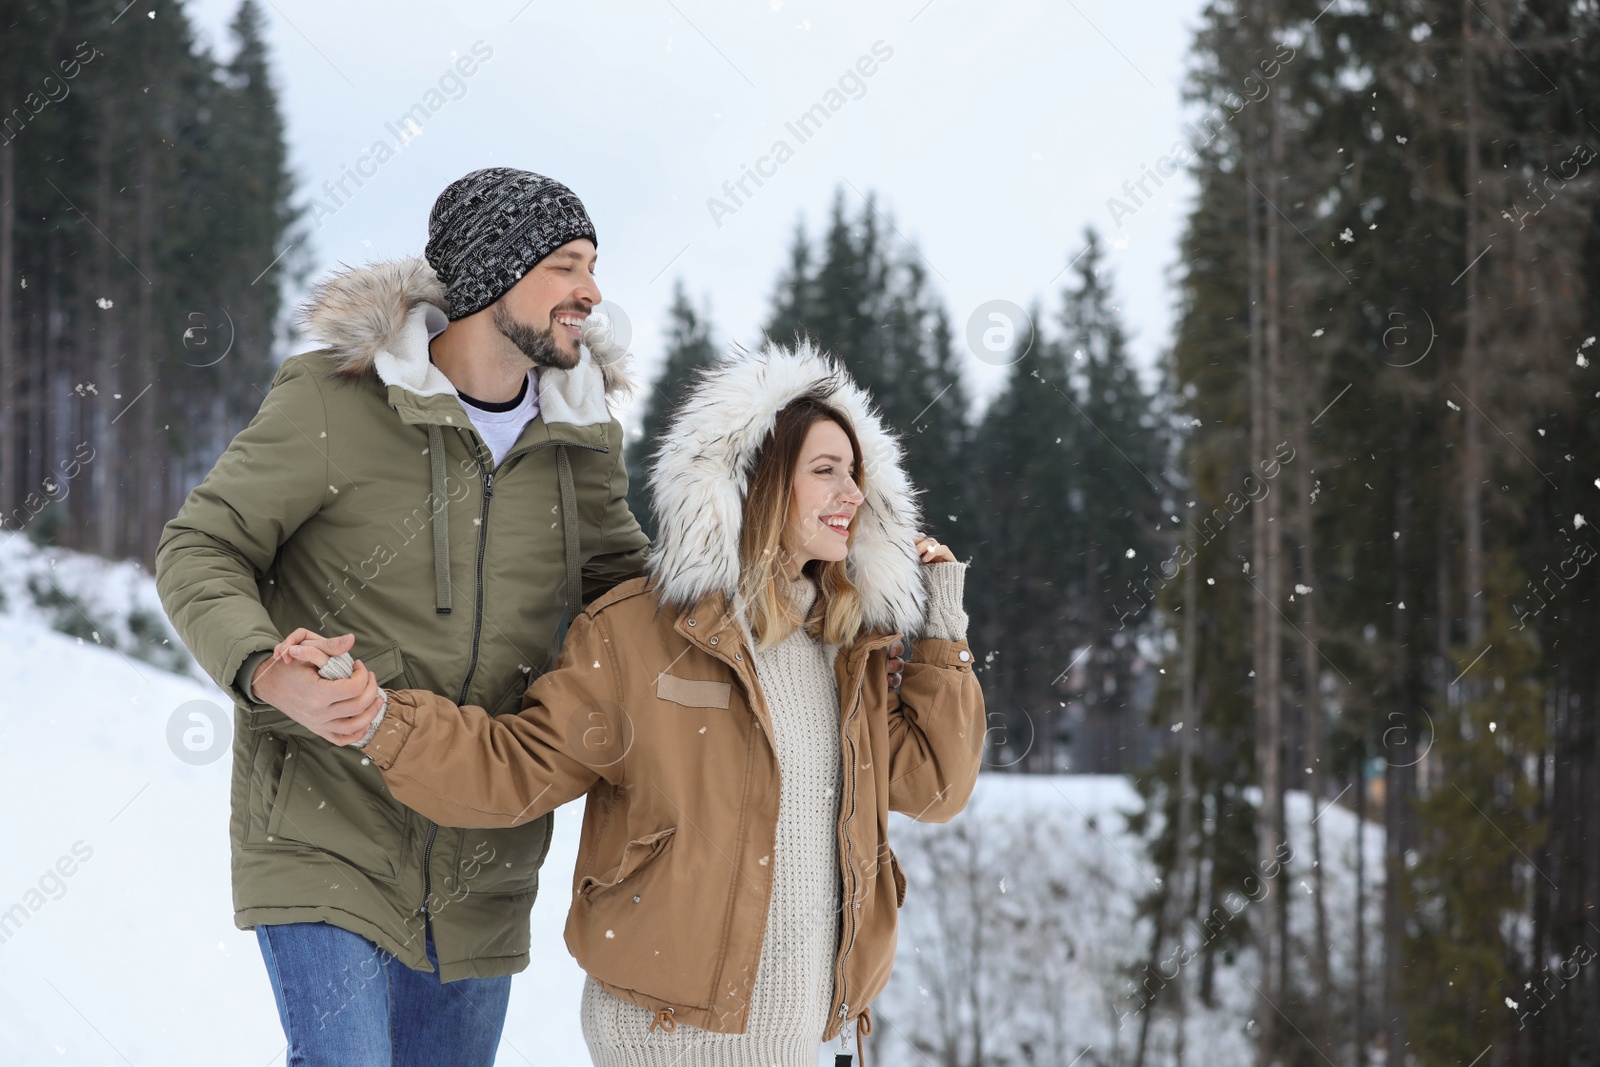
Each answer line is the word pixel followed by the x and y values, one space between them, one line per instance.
pixel 1399 138
pixel 104 304
pixel 1347 235
pixel 1318 332
pixel 1129 553
pixel 1451 404
pixel 1578 522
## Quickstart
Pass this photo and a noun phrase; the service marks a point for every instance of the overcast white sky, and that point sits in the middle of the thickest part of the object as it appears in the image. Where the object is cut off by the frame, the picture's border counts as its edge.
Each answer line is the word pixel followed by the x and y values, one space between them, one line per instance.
pixel 993 133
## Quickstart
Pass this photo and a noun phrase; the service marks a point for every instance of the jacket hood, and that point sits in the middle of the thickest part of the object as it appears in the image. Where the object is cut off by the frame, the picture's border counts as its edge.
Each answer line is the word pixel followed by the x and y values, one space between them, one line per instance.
pixel 702 469
pixel 379 319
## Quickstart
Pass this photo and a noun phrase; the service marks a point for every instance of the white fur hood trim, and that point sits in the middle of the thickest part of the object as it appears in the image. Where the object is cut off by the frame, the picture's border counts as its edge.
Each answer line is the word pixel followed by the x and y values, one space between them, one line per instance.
pixel 701 473
pixel 380 318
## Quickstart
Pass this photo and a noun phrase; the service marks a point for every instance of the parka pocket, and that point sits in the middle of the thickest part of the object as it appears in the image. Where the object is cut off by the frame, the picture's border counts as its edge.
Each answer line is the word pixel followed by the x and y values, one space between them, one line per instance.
pixel 261 791
pixel 510 701
pixel 899 879
pixel 502 862
pixel 326 801
pixel 388 665
pixel 635 858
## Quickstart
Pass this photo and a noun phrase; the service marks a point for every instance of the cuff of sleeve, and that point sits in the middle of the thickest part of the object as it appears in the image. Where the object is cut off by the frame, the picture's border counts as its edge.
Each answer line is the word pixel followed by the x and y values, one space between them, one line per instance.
pixel 947 620
pixel 247 672
pixel 394 727
pixel 377 720
pixel 942 653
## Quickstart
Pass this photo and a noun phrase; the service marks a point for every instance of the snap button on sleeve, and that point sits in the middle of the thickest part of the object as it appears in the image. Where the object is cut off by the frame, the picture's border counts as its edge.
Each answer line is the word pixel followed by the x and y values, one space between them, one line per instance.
pixel 965 655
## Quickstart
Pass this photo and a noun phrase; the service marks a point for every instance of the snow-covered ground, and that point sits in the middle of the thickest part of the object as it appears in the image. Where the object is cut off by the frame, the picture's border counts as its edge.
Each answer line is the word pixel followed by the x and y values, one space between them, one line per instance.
pixel 1034 890
pixel 117 943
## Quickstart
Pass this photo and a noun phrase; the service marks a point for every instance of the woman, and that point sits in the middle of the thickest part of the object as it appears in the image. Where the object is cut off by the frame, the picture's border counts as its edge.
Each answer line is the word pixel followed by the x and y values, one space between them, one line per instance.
pixel 730 719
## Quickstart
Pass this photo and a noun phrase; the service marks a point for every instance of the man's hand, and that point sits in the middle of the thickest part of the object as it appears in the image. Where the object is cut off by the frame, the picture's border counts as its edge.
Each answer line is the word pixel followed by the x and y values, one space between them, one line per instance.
pixel 337 711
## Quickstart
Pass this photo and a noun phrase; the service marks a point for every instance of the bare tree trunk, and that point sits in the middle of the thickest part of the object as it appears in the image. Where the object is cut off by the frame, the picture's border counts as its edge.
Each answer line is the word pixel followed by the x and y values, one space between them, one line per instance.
pixel 1311 669
pixel 1359 1034
pixel 1264 355
pixel 9 413
pixel 1188 870
pixel 146 500
pixel 1471 432
pixel 106 513
pixel 1265 737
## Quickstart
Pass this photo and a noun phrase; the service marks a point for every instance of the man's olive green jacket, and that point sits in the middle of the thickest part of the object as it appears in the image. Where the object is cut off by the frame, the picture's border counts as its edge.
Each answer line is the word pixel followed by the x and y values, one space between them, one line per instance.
pixel 361 500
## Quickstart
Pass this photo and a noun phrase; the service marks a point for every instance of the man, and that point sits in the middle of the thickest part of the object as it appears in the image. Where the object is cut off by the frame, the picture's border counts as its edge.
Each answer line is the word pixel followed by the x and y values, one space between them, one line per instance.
pixel 441 483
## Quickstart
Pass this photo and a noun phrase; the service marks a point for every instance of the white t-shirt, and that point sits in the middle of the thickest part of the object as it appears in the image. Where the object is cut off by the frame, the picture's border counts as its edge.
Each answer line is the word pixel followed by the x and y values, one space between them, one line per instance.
pixel 501 424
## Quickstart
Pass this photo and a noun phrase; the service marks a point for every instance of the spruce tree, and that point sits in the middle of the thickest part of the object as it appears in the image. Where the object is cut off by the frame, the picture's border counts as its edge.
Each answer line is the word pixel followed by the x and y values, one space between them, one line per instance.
pixel 689 348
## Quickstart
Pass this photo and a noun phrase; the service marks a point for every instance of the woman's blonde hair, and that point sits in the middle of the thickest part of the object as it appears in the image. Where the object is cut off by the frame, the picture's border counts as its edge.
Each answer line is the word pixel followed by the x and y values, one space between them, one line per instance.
pixel 835 617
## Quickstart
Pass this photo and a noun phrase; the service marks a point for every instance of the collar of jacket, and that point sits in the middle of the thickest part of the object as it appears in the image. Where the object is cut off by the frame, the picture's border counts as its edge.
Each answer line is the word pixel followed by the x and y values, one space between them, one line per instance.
pixel 711 625
pixel 378 319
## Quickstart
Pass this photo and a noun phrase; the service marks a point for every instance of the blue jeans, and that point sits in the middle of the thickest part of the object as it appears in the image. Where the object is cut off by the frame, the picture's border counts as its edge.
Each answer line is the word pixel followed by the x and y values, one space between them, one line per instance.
pixel 344 1002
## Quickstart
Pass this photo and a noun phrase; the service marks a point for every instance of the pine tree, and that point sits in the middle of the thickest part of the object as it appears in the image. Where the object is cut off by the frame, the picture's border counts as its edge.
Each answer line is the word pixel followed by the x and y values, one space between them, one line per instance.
pixel 689 348
pixel 143 184
pixel 1119 453
pixel 876 312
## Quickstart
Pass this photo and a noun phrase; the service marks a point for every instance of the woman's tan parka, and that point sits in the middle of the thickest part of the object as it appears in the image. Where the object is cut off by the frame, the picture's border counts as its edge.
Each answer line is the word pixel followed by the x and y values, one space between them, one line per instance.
pixel 655 713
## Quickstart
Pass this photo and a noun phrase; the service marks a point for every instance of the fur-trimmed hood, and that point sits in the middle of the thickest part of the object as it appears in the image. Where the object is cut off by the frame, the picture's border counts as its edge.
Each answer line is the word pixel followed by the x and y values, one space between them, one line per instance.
pixel 378 319
pixel 701 474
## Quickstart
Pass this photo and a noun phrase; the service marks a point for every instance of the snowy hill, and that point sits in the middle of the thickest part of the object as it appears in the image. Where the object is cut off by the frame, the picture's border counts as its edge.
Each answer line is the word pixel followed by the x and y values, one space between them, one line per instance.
pixel 117 943
pixel 1034 891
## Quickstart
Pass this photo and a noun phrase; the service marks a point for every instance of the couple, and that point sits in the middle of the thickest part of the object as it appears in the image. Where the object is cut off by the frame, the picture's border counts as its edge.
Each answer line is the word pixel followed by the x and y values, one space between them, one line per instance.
pixel 440 492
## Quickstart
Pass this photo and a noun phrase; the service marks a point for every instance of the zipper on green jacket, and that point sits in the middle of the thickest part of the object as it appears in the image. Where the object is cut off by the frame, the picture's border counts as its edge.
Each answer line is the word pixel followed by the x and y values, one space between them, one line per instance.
pixel 477 616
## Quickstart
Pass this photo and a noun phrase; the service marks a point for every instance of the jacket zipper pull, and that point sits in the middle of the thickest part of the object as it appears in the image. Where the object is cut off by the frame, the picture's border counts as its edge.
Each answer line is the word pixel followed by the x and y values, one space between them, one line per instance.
pixel 488 484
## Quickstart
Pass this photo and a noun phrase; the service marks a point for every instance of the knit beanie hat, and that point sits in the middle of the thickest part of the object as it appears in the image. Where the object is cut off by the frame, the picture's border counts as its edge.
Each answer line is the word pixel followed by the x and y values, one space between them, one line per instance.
pixel 489 228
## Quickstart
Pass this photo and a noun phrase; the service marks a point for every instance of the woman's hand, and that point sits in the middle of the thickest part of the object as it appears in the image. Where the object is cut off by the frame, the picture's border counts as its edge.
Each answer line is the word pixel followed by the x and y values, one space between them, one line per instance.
pixel 931 551
pixel 303 646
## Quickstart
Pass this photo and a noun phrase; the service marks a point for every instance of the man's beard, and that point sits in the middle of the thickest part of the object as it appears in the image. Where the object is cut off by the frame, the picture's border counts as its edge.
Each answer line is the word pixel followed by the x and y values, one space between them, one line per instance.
pixel 538 345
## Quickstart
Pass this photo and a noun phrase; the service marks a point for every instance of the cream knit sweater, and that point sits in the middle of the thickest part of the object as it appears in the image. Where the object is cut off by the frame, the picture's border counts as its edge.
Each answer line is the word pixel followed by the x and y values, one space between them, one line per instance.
pixel 792 992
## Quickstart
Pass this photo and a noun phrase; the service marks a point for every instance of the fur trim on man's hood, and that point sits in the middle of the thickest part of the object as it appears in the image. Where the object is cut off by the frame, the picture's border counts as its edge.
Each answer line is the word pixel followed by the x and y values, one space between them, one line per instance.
pixel 701 474
pixel 379 319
